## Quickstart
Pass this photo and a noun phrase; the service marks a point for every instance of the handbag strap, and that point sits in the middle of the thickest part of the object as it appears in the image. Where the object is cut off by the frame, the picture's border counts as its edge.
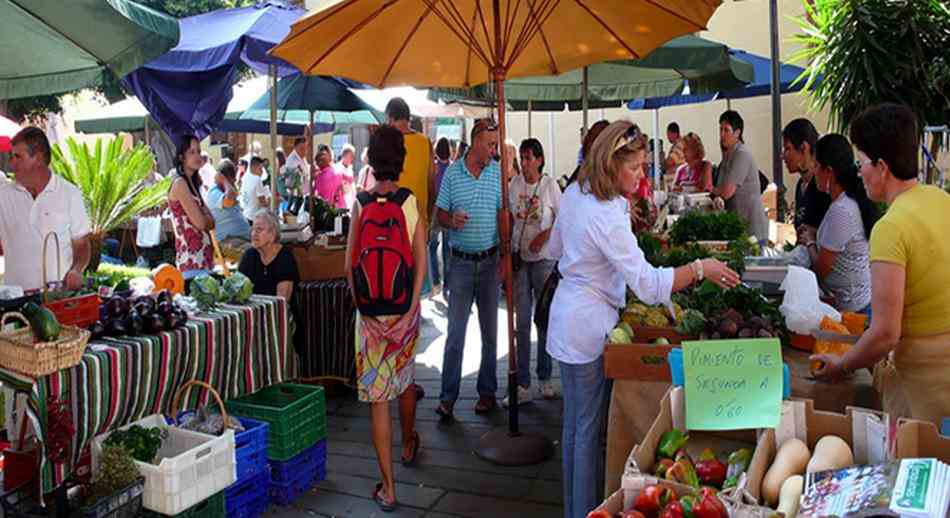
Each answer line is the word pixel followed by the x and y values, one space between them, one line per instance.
pixel 59 264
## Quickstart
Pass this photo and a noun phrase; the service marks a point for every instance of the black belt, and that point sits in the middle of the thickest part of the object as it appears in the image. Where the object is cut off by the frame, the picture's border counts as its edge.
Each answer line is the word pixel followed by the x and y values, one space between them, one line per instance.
pixel 476 256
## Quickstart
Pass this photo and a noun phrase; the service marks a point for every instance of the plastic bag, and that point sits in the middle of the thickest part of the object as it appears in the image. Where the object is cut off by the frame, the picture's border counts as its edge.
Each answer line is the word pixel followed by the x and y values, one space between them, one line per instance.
pixel 149 232
pixel 801 306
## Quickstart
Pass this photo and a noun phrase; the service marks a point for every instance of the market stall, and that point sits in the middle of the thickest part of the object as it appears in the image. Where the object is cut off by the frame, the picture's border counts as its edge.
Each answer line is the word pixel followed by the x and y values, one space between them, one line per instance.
pixel 237 349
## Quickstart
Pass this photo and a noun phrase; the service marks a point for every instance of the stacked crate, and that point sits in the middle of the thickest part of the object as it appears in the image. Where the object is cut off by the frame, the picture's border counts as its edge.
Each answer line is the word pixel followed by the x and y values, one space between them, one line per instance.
pixel 248 497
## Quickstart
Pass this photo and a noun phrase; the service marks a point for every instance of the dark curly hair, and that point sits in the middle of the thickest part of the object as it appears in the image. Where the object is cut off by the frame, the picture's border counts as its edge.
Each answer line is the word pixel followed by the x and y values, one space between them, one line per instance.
pixel 387 153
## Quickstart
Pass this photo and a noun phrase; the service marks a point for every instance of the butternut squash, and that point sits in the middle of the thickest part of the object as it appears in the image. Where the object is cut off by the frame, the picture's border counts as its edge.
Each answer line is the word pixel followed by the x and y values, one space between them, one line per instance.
pixel 790 496
pixel 831 452
pixel 791 459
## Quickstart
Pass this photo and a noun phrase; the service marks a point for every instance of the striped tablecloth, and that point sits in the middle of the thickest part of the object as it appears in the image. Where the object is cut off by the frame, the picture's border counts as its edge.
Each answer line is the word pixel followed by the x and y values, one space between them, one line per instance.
pixel 328 320
pixel 236 349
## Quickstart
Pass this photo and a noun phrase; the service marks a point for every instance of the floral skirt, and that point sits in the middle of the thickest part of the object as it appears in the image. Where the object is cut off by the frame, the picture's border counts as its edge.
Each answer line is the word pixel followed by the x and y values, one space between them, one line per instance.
pixel 385 368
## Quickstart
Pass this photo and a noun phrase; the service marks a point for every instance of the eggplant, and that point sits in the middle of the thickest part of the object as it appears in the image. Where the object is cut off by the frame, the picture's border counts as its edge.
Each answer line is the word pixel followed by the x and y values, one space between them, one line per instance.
pixel 118 307
pixel 144 305
pixel 182 317
pixel 165 296
pixel 171 321
pixel 118 326
pixel 136 323
pixel 97 329
pixel 154 323
pixel 165 308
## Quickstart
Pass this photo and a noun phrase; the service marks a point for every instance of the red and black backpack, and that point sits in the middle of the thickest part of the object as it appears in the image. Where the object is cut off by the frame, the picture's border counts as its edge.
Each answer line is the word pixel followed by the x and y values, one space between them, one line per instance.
pixel 382 258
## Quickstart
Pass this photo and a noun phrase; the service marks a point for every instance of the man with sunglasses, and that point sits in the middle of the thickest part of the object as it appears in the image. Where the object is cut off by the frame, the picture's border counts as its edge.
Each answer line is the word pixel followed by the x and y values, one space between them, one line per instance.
pixel 469 206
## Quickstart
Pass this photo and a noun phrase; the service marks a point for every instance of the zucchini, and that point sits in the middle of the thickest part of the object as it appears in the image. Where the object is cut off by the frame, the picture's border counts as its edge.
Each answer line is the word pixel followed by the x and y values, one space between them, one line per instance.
pixel 43 322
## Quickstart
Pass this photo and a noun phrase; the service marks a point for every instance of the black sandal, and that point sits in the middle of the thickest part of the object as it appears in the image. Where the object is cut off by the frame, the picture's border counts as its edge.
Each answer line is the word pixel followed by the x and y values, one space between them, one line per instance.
pixel 416 441
pixel 384 506
pixel 445 411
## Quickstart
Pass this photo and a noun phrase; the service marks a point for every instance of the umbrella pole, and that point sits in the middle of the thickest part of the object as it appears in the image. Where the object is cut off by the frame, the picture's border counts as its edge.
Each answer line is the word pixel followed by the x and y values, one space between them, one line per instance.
pixel 510 447
pixel 530 134
pixel 584 99
pixel 273 137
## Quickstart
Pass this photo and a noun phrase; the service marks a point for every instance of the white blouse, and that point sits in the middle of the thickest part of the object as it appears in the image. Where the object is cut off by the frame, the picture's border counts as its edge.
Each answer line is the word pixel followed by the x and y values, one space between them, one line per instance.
pixel 598 258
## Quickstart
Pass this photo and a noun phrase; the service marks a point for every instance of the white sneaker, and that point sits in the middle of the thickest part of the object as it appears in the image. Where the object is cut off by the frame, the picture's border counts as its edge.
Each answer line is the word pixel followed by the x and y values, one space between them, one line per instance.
pixel 524 396
pixel 547 390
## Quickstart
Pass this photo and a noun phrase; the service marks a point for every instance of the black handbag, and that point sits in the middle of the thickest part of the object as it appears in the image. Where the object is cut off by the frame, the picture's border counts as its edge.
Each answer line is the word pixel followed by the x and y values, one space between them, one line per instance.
pixel 543 307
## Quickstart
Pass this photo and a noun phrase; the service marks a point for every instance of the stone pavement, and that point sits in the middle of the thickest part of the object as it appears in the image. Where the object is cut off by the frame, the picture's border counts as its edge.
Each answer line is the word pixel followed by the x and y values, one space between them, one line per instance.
pixel 448 479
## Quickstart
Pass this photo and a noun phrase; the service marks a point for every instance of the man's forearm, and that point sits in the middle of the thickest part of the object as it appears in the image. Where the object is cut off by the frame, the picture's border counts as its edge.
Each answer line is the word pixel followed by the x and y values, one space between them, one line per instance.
pixel 81 254
pixel 445 219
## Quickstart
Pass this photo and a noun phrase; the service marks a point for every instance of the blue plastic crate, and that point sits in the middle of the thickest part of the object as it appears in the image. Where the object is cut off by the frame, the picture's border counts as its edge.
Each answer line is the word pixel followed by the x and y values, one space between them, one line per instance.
pixel 675 360
pixel 287 492
pixel 248 499
pixel 250 447
pixel 286 472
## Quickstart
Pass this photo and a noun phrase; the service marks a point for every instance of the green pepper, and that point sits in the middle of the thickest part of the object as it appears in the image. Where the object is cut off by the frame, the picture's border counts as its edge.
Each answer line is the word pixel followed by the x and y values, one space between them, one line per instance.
pixel 688 502
pixel 670 442
pixel 739 461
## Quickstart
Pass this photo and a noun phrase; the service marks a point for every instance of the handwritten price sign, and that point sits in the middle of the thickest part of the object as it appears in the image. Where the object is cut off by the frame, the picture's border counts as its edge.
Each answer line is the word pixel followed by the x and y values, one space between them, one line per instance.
pixel 733 384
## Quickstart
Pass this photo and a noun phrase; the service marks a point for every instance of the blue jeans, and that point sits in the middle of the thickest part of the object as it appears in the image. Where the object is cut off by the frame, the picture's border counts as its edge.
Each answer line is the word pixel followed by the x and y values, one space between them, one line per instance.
pixel 529 281
pixel 585 391
pixel 471 281
pixel 434 258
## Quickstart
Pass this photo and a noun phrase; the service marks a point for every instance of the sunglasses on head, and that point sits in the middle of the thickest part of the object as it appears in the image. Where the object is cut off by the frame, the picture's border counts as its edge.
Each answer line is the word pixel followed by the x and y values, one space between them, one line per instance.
pixel 482 125
pixel 632 134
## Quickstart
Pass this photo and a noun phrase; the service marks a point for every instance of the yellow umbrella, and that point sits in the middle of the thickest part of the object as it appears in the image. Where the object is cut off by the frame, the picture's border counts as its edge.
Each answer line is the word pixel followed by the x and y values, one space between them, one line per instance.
pixel 462 43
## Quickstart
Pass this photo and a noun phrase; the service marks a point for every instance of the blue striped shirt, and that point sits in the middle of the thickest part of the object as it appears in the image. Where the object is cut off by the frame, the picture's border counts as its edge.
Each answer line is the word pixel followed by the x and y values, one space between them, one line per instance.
pixel 479 197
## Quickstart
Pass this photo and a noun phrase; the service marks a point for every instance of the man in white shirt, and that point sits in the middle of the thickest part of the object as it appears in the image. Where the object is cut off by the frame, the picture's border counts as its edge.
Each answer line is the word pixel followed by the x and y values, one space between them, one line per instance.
pixel 207 174
pixel 254 194
pixel 38 203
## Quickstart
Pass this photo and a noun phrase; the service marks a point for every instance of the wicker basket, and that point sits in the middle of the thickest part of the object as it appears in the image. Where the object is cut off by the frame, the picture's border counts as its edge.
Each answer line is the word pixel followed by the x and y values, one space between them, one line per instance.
pixel 21 352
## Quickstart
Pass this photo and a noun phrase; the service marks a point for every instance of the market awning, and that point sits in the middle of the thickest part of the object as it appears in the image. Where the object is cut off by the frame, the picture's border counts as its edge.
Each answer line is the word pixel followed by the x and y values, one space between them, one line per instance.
pixel 51 47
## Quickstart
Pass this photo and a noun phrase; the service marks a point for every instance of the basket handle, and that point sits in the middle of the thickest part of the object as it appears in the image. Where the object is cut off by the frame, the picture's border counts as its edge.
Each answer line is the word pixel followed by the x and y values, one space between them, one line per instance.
pixel 59 264
pixel 19 316
pixel 218 255
pixel 179 396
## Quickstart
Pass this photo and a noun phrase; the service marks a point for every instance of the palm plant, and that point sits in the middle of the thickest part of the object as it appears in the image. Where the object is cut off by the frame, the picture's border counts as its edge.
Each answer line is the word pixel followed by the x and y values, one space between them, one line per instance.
pixel 867 52
pixel 112 181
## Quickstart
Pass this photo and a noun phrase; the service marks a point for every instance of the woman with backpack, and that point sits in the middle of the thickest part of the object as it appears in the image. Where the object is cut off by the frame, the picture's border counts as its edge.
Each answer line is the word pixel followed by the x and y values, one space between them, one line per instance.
pixel 387 242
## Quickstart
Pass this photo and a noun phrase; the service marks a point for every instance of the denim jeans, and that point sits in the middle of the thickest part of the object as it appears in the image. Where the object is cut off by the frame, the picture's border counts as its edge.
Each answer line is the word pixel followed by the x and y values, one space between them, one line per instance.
pixel 434 258
pixel 529 281
pixel 471 281
pixel 585 391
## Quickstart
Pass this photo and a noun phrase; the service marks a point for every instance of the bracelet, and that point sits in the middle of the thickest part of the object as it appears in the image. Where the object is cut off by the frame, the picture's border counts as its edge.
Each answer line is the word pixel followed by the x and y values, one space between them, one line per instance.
pixel 697 268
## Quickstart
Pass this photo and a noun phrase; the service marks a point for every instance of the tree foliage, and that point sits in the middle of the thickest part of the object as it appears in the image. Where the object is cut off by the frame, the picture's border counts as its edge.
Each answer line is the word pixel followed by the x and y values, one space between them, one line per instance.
pixel 186 8
pixel 868 52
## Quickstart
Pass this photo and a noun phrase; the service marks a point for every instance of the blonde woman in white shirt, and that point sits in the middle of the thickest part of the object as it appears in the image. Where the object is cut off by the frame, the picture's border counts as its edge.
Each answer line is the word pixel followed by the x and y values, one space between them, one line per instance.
pixel 598 259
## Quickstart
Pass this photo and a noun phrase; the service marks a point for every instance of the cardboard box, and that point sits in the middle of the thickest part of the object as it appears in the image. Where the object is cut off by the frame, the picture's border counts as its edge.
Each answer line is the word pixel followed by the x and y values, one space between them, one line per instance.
pixel 623 499
pixel 920 439
pixel 642 362
pixel 866 431
pixel 673 415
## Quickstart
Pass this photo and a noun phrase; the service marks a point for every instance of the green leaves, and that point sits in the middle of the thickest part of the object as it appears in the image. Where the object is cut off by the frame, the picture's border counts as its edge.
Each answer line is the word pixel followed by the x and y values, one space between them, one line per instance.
pixel 868 52
pixel 112 180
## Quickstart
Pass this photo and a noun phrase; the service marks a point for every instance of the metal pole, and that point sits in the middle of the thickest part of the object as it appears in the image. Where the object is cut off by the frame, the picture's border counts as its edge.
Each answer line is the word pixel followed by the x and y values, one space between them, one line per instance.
pixel 148 136
pixel 584 100
pixel 530 134
pixel 656 148
pixel 777 173
pixel 552 150
pixel 273 137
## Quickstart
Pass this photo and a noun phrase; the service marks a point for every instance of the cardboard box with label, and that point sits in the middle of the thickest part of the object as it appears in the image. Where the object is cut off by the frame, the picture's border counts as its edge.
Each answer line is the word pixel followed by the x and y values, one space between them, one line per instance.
pixel 920 439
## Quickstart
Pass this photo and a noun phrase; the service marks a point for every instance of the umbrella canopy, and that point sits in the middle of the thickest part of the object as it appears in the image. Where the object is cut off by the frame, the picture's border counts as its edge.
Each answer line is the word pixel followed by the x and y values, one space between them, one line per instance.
pixel 49 48
pixel 188 89
pixel 328 98
pixel 706 64
pixel 760 85
pixel 8 129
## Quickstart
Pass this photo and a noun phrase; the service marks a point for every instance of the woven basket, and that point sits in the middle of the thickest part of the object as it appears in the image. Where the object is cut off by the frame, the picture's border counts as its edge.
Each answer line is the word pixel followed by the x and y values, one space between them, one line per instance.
pixel 21 352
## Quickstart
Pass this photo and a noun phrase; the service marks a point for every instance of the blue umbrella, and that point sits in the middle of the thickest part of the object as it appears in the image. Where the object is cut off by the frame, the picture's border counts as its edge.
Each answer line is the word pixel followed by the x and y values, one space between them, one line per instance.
pixel 187 90
pixel 328 100
pixel 761 85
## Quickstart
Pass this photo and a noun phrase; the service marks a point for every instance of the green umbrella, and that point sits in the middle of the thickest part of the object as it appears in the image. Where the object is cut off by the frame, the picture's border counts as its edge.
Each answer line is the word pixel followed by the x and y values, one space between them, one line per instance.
pixel 304 99
pixel 705 64
pixel 51 46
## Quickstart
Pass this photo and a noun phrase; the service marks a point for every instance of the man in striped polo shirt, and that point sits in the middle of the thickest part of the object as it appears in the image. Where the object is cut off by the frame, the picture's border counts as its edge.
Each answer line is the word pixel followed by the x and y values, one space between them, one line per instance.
pixel 469 205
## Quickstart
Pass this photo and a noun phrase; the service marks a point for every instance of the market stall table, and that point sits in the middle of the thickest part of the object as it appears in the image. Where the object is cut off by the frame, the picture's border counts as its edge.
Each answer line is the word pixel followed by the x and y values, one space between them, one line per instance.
pixel 237 349
pixel 635 404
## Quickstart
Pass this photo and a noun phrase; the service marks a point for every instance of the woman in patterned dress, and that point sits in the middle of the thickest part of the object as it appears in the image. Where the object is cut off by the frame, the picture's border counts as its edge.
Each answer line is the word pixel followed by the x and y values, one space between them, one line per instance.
pixel 385 368
pixel 191 218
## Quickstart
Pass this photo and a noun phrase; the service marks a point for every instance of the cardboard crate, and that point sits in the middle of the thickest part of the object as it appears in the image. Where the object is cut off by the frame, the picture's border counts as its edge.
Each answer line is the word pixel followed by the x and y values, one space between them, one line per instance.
pixel 641 362
pixel 622 500
pixel 920 439
pixel 866 431
pixel 673 415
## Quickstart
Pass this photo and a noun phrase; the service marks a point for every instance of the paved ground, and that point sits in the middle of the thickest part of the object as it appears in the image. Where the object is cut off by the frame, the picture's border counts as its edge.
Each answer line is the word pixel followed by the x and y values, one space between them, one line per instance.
pixel 448 480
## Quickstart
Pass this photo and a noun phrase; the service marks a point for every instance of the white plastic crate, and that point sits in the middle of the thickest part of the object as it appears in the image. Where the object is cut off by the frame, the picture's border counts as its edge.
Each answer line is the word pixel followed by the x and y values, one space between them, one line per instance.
pixel 193 466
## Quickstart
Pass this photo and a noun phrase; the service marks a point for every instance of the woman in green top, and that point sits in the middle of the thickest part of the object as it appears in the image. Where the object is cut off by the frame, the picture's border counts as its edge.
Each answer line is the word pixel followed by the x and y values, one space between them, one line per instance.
pixel 910 273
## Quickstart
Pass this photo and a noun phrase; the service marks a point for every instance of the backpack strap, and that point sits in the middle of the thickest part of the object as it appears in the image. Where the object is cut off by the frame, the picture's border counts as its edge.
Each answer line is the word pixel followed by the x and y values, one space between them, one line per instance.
pixel 400 196
pixel 365 198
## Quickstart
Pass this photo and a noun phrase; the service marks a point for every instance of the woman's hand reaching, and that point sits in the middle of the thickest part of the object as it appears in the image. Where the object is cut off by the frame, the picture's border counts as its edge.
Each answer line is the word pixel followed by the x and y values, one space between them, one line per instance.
pixel 720 274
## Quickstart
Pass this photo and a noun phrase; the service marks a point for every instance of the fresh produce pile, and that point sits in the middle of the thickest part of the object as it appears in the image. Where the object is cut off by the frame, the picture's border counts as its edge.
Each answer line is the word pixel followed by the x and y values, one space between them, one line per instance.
pixel 639 314
pixel 208 292
pixel 680 255
pixel 712 226
pixel 674 464
pixel 115 276
pixel 145 314
pixel 784 482
pixel 740 312
pixel 142 443
pixel 655 501
pixel 42 321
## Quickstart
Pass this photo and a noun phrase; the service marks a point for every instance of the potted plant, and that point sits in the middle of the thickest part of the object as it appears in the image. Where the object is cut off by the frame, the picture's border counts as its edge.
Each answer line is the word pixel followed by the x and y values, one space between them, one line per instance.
pixel 116 491
pixel 113 184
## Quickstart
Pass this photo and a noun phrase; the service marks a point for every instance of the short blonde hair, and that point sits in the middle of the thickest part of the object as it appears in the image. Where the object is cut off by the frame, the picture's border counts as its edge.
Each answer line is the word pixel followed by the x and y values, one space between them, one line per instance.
pixel 600 173
pixel 693 142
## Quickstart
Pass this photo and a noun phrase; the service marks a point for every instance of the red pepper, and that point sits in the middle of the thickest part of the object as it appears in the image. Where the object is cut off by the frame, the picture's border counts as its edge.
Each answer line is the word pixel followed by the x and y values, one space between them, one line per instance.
pixel 682 471
pixel 711 471
pixel 652 498
pixel 672 510
pixel 662 466
pixel 708 505
pixel 598 513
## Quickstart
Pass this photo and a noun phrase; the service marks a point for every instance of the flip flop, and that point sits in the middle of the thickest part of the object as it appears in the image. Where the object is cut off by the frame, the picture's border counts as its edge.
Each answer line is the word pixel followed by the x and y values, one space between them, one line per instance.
pixel 384 506
pixel 417 441
pixel 445 412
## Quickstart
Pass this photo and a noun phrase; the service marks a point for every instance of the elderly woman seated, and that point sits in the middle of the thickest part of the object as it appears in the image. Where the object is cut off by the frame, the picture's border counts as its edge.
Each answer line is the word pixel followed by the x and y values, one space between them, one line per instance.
pixel 270 265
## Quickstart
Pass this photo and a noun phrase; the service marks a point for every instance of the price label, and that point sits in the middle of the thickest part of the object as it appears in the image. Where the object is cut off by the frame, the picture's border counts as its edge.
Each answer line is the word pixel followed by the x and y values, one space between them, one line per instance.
pixel 733 384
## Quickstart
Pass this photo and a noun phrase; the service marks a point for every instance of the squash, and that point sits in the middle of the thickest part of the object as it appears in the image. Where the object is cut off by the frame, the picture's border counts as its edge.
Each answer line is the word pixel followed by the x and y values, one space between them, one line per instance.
pixel 831 452
pixel 167 277
pixel 791 459
pixel 790 495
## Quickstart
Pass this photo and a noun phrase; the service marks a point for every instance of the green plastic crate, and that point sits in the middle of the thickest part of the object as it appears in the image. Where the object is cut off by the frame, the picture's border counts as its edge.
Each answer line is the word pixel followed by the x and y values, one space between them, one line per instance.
pixel 296 414
pixel 213 507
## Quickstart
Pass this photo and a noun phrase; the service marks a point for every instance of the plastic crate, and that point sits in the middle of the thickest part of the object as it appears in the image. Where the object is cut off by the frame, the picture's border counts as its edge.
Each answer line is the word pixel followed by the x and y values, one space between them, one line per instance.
pixel 284 494
pixel 250 447
pixel 82 311
pixel 193 467
pixel 248 499
pixel 212 507
pixel 126 503
pixel 284 472
pixel 296 414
